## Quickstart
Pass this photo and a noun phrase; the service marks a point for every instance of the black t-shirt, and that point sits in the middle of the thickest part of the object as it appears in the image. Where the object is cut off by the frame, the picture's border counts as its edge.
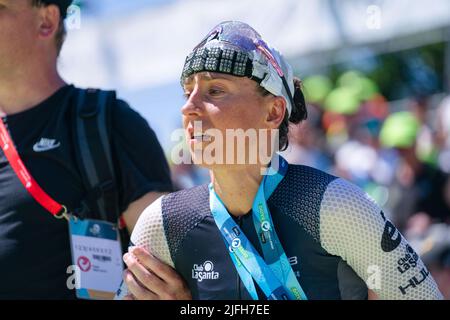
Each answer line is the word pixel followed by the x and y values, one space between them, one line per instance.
pixel 34 246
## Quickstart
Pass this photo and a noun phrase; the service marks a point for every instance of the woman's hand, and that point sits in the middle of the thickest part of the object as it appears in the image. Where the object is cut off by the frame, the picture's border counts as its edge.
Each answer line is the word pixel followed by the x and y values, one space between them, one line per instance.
pixel 147 278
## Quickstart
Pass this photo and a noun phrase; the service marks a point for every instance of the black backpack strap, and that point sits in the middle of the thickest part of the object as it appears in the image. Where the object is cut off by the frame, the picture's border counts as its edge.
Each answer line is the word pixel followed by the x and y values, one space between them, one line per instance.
pixel 93 153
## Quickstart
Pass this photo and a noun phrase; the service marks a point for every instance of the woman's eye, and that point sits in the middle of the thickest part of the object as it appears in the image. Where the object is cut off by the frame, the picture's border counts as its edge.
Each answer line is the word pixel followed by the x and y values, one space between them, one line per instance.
pixel 215 91
pixel 186 95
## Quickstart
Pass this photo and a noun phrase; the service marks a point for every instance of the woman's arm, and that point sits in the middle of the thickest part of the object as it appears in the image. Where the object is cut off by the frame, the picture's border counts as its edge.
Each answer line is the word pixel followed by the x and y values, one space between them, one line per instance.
pixel 150 274
pixel 356 229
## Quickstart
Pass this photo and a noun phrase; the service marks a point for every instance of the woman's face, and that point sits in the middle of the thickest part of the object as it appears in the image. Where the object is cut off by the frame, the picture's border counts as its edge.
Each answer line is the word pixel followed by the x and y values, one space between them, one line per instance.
pixel 221 111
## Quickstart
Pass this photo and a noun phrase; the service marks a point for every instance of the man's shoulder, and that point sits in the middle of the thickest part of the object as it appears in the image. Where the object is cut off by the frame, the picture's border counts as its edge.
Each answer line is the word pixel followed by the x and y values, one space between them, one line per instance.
pixel 121 118
pixel 120 106
pixel 121 114
pixel 125 118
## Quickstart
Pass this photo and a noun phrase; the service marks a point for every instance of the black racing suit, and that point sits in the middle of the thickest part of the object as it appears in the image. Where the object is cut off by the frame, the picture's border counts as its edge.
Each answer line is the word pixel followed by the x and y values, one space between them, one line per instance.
pixel 337 240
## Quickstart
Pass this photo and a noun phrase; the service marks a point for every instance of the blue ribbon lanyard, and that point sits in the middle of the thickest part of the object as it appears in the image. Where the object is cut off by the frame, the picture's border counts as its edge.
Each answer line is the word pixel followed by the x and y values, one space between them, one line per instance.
pixel 273 274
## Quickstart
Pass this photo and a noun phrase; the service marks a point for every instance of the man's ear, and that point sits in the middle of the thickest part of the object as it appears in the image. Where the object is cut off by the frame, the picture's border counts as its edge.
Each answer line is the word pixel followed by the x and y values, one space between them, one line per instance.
pixel 277 111
pixel 49 17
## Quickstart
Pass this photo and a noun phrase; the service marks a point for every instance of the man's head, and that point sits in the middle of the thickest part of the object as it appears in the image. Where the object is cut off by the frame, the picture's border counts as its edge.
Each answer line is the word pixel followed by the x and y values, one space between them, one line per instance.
pixel 30 29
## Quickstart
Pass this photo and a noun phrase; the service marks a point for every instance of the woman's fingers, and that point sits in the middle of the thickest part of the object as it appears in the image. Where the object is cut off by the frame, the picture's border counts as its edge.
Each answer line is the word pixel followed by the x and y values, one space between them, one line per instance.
pixel 136 289
pixel 162 270
pixel 145 277
pixel 156 276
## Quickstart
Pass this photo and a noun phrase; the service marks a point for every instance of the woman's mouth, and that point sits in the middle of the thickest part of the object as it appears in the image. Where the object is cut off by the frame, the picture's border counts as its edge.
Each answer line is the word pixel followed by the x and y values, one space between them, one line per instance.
pixel 200 137
pixel 197 136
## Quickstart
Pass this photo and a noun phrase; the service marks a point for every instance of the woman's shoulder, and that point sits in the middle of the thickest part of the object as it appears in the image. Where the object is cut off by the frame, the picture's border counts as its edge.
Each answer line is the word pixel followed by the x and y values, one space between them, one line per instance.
pixel 183 210
pixel 169 208
pixel 303 171
pixel 306 182
pixel 186 200
pixel 329 190
pixel 312 197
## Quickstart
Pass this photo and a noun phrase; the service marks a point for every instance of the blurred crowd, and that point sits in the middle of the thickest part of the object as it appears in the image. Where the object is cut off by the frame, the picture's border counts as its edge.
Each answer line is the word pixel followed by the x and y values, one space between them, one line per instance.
pixel 398 152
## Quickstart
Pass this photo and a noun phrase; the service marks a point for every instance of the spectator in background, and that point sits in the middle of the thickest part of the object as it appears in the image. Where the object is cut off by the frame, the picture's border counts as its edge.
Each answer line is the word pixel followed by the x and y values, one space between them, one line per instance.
pixel 434 249
pixel 443 134
pixel 421 189
pixel 307 144
pixel 425 142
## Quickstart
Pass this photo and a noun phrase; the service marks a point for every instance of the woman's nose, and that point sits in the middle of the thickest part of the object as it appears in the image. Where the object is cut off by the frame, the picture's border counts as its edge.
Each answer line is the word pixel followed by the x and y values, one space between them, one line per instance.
pixel 193 105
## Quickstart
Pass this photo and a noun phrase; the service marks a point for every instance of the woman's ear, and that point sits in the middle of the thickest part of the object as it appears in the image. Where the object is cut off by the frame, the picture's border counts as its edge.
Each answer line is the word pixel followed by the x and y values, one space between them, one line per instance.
pixel 276 112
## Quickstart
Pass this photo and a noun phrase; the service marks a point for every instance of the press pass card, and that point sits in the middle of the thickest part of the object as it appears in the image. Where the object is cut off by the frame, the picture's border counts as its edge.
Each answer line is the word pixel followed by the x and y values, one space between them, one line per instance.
pixel 97 257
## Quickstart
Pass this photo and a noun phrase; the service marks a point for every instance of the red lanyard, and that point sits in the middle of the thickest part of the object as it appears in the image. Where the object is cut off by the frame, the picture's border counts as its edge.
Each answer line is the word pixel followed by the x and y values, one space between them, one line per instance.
pixel 7 145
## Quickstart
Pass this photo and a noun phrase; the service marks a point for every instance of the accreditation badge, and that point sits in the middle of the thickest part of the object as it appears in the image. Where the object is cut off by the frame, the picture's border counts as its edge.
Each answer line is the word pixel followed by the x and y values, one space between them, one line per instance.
pixel 97 257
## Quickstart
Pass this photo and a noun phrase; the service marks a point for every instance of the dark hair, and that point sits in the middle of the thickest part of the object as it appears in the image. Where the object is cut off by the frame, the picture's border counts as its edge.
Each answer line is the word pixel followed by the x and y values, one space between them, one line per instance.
pixel 298 113
pixel 60 33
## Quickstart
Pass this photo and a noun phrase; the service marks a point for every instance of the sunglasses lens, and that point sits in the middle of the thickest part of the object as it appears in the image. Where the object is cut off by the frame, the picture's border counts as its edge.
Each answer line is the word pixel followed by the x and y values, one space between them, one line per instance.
pixel 239 34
